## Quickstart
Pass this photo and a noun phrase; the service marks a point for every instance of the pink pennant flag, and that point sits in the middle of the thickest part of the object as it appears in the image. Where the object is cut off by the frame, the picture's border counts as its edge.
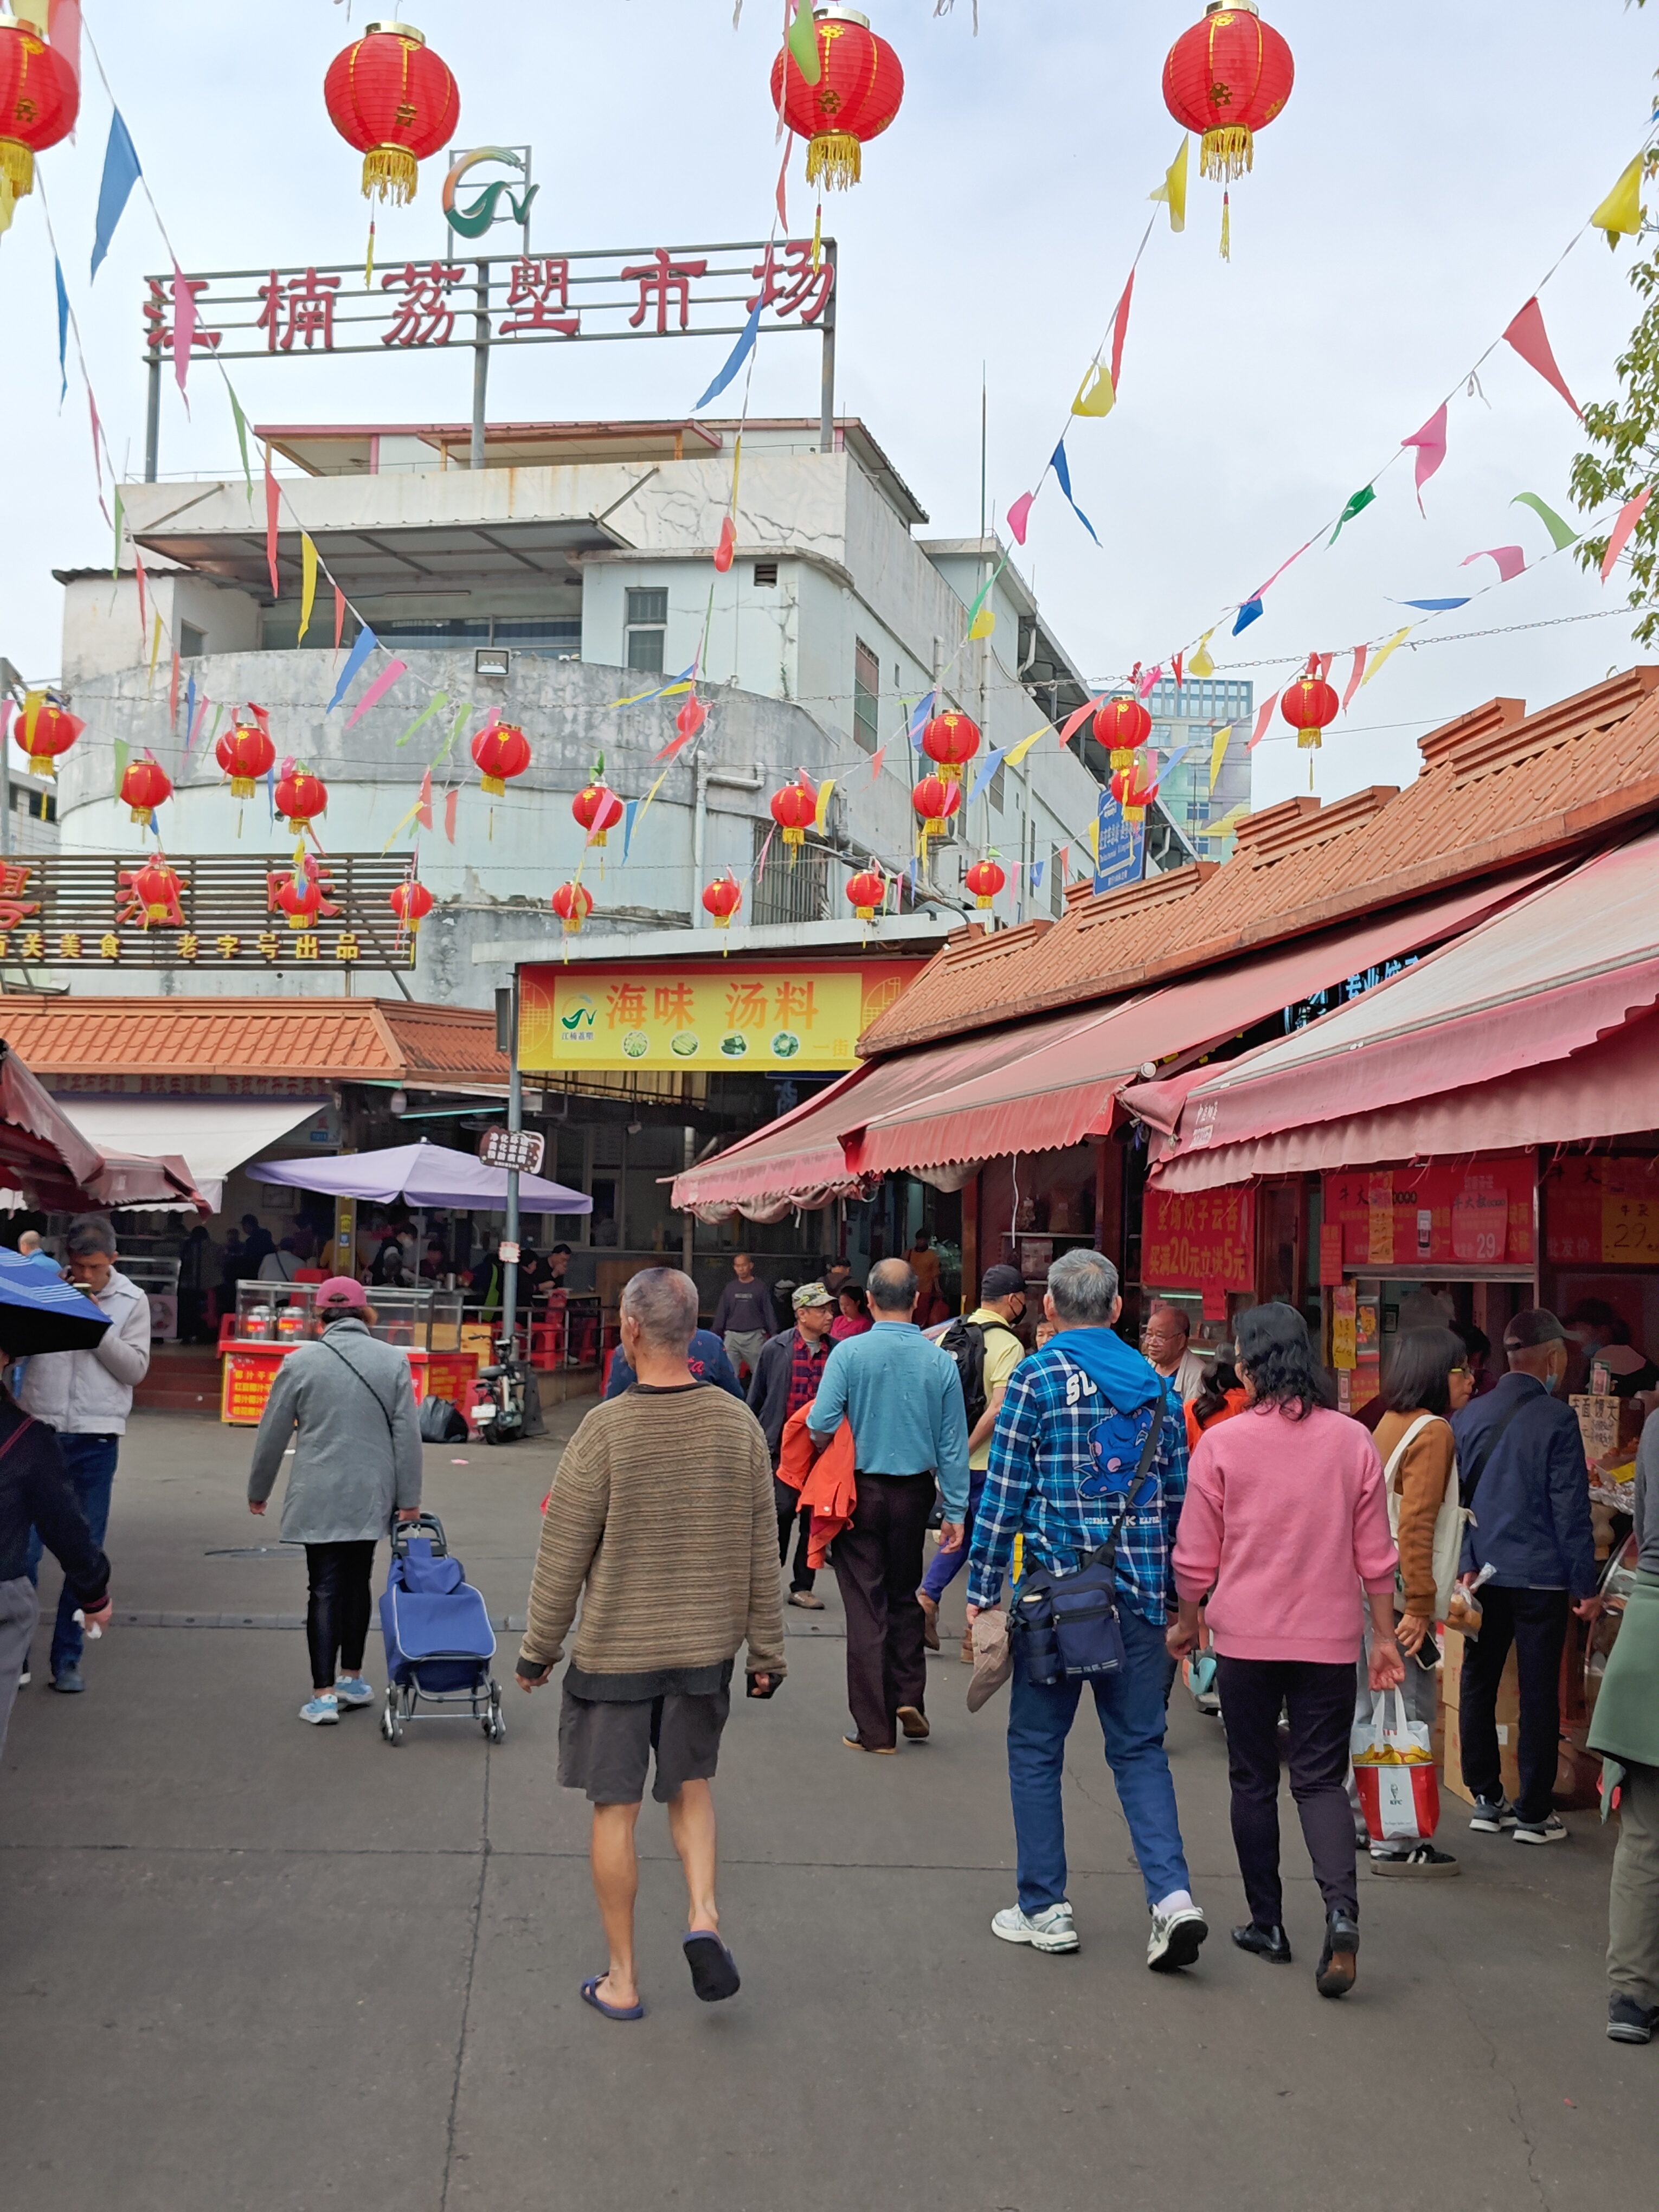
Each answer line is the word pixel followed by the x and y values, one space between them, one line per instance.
pixel 783 173
pixel 1629 515
pixel 1075 720
pixel 377 691
pixel 1151 676
pixel 1120 329
pixel 450 805
pixel 1510 560
pixel 98 452
pixel 1176 661
pixel 173 697
pixel 423 804
pixel 675 745
pixel 691 717
pixel 1322 665
pixel 1430 444
pixel 1531 341
pixel 340 604
pixel 184 328
pixel 5 716
pixel 1264 715
pixel 195 729
pixel 1063 861
pixel 1355 675
pixel 1020 515
pixel 273 509
pixel 876 759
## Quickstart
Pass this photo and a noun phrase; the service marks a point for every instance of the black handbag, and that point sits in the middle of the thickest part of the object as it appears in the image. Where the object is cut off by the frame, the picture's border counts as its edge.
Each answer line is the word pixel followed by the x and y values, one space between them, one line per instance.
pixel 1067 1625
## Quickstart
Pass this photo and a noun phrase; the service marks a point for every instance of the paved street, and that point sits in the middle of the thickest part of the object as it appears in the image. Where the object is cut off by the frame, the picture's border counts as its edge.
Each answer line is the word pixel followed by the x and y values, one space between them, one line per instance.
pixel 247 1965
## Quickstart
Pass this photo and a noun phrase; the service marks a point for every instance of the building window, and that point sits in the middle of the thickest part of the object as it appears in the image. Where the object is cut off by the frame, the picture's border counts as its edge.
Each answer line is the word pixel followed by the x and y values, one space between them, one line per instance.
pixel 192 643
pixel 766 574
pixel 784 895
pixel 647 613
pixel 866 696
pixel 39 805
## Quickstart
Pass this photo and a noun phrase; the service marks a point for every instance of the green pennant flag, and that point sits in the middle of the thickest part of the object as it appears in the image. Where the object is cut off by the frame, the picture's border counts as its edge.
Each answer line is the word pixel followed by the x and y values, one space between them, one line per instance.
pixel 441 699
pixel 802 40
pixel 448 746
pixel 1562 532
pixel 1361 499
pixel 120 761
pixel 120 517
pixel 241 437
pixel 213 727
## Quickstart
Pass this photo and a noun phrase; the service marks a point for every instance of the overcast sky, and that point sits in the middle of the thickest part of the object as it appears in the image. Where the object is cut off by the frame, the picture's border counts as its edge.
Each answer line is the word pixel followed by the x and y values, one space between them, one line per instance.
pixel 1432 164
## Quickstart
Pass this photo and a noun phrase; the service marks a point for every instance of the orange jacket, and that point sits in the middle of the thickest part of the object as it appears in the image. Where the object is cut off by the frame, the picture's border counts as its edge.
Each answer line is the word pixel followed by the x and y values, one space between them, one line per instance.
pixel 1234 1405
pixel 829 1490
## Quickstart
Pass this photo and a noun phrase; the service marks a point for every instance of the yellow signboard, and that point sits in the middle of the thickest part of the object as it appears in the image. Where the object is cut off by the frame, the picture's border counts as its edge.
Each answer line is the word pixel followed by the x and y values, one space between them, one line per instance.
pixel 704 1015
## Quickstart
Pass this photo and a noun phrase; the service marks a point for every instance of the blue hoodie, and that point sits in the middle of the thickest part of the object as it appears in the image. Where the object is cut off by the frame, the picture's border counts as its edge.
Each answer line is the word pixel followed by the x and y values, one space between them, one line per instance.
pixel 1117 1370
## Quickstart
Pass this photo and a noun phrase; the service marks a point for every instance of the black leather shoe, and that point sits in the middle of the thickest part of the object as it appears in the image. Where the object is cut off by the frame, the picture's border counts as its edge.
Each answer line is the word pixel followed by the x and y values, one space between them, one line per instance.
pixel 1338 1965
pixel 1269 1943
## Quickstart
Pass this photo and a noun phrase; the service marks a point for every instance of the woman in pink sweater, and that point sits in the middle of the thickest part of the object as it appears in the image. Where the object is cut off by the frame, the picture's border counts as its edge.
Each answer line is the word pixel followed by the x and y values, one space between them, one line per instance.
pixel 1284 1523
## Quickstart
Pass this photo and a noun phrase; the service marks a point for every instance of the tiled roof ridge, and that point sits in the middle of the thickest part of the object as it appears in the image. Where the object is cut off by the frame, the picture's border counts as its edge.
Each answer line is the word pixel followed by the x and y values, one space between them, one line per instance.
pixel 1268 837
pixel 1483 753
pixel 329 1039
pixel 1499 714
pixel 1106 907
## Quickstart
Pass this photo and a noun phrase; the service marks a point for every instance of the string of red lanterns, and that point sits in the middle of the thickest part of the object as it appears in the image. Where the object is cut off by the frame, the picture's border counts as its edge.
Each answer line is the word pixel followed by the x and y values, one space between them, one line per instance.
pixel 985 880
pixel 40 101
pixel 302 797
pixel 935 801
pixel 394 100
pixel 722 898
pixel 866 891
pixel 144 786
pixel 45 730
pixel 572 904
pixel 245 753
pixel 411 902
pixel 597 809
pixel 499 753
pixel 859 88
pixel 950 740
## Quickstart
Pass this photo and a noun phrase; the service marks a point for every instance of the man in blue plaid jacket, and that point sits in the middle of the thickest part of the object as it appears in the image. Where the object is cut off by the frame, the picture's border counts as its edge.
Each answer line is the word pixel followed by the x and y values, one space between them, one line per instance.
pixel 1063 1459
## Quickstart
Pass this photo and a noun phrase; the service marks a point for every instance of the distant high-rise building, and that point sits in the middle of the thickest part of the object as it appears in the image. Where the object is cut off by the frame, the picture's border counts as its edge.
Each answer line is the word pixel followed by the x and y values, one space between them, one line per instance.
pixel 1205 789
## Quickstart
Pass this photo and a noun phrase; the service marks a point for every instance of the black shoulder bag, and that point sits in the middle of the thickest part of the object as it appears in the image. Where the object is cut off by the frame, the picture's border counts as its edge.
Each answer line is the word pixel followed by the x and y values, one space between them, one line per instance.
pixel 1066 1625
pixel 385 1410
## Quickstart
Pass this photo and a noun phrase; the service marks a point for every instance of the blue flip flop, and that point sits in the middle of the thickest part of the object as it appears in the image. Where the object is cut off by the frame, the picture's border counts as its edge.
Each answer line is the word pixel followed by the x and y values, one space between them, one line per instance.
pixel 591 1996
pixel 713 1970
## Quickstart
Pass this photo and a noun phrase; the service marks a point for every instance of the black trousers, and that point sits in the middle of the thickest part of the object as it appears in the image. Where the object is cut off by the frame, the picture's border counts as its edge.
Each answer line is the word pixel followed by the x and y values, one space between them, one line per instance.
pixel 1535 1623
pixel 339 1608
pixel 790 1514
pixel 877 1563
pixel 1320 1699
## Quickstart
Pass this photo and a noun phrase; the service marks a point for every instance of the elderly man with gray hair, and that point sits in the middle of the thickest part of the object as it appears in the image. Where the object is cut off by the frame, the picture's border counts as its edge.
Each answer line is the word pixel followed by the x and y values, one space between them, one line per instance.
pixel 661 1522
pixel 1090 1449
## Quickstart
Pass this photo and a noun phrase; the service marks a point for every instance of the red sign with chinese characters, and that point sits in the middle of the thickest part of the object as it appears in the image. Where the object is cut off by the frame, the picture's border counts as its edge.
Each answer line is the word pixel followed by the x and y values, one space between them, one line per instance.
pixel 1602 1213
pixel 1438 1217
pixel 1200 1240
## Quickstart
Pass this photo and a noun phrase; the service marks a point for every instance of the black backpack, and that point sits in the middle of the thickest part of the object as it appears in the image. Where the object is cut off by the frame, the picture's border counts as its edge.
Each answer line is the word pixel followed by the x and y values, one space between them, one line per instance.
pixel 965 1342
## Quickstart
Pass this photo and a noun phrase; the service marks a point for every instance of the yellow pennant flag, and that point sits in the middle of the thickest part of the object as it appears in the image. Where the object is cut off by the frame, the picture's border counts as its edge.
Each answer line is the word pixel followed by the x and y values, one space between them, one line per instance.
pixel 1092 838
pixel 1377 659
pixel 1016 754
pixel 307 584
pixel 1095 395
pixel 155 650
pixel 1621 214
pixel 1218 752
pixel 1173 190
pixel 1200 664
pixel 825 790
pixel 982 625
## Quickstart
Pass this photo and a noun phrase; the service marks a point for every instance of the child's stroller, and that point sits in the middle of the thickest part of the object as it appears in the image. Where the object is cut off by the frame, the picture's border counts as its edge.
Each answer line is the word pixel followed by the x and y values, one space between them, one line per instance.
pixel 438 1642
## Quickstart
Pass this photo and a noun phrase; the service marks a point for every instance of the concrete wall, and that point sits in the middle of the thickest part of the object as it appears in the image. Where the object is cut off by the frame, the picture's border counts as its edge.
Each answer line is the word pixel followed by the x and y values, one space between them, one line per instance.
pixel 102 631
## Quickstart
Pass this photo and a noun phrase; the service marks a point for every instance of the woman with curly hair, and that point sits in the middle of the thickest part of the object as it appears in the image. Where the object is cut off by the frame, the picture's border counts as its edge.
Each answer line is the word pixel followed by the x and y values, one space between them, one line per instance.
pixel 1285 1520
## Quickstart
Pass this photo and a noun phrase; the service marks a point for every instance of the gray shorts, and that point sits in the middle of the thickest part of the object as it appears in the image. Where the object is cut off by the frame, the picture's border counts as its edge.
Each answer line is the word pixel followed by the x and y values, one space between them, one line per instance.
pixel 605 1748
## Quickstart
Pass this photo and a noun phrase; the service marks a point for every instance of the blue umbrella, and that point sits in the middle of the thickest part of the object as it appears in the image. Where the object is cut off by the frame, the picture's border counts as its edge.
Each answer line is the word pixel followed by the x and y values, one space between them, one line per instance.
pixel 40 1312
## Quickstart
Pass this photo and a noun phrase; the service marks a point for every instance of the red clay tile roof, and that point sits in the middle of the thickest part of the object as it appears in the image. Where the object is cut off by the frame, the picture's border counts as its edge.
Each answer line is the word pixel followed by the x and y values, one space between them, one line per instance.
pixel 334 1039
pixel 1497 786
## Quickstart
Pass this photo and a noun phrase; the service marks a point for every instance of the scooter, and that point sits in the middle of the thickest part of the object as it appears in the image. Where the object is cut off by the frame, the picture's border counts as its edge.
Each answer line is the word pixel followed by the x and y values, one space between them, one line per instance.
pixel 500 1414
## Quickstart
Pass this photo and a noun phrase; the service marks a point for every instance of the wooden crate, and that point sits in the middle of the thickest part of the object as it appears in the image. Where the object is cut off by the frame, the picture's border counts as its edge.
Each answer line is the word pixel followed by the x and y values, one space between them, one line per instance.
pixel 1509 1716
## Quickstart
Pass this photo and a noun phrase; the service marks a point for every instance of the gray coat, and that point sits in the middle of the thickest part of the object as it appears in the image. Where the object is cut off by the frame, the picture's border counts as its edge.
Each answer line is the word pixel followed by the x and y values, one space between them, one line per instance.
pixel 355 1459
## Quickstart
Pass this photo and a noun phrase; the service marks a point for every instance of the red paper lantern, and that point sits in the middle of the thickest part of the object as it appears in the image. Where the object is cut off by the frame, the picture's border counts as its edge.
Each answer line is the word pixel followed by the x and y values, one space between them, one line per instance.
pixel 299 899
pixel 859 87
pixel 573 905
pixel 985 880
pixel 950 739
pixel 45 730
pixel 794 809
pixel 143 787
pixel 1134 791
pixel 597 809
pixel 1227 78
pixel 156 887
pixel 389 96
pixel 39 99
pixel 1121 725
pixel 866 891
pixel 1308 705
pixel 499 753
pixel 936 801
pixel 722 898
pixel 302 797
pixel 411 902
pixel 246 753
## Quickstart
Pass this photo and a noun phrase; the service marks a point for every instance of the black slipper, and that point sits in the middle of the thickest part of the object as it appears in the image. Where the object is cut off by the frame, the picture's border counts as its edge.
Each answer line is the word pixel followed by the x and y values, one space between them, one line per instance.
pixel 713 1970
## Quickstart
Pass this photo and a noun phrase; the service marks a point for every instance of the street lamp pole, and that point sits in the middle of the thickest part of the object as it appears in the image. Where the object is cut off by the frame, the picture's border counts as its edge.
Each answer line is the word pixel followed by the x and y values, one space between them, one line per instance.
pixel 507 1020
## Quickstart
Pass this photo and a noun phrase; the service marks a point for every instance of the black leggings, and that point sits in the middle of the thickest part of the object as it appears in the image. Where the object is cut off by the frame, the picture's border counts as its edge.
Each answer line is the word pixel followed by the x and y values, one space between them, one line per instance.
pixel 337 1615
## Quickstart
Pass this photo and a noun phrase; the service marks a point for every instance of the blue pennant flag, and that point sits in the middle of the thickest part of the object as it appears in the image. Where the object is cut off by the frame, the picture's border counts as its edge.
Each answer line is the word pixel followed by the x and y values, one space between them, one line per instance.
pixel 121 173
pixel 63 328
pixel 1057 462
pixel 1250 612
pixel 630 815
pixel 735 359
pixel 1037 866
pixel 988 767
pixel 364 644
pixel 190 706
pixel 1433 606
pixel 921 715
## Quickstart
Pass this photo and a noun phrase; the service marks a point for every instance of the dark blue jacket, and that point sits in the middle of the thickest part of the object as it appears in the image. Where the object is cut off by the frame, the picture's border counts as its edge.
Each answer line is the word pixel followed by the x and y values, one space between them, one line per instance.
pixel 1531 1504
pixel 705 1358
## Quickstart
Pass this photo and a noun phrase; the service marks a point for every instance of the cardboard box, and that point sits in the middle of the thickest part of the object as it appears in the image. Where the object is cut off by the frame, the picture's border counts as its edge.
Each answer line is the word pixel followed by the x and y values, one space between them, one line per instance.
pixel 1509 1716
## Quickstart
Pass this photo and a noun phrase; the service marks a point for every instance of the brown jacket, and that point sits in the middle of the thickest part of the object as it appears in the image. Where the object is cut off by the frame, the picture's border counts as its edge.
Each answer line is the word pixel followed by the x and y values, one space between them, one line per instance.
pixel 1419 1481
pixel 662 1507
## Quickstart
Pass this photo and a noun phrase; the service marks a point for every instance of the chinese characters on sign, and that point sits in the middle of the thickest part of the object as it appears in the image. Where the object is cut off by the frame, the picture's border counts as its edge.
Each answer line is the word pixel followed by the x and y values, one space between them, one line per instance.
pixel 528 298
pixel 1199 1241
pixel 1433 1217
pixel 701 1015
pixel 1602 1212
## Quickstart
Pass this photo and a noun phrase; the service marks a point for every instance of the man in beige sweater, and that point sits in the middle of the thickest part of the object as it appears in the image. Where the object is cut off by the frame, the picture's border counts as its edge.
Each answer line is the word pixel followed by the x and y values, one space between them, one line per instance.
pixel 661 1522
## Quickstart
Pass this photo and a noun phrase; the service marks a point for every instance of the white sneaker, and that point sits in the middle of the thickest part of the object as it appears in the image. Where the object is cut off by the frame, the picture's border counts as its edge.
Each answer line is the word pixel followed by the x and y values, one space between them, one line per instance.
pixel 1176 1939
pixel 352 1690
pixel 1553 1830
pixel 1051 1929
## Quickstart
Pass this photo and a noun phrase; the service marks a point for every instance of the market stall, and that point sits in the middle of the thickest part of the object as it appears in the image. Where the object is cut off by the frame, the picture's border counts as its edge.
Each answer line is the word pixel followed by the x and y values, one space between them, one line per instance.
pixel 273 1319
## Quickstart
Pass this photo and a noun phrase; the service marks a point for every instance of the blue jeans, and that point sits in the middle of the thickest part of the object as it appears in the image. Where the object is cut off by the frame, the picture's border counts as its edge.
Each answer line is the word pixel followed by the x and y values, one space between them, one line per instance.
pixel 946 1566
pixel 91 1464
pixel 1130 1706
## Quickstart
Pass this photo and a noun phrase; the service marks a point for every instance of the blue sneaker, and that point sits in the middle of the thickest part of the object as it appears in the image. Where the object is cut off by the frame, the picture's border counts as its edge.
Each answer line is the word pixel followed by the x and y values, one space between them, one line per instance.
pixel 67 1681
pixel 322 1711
pixel 352 1690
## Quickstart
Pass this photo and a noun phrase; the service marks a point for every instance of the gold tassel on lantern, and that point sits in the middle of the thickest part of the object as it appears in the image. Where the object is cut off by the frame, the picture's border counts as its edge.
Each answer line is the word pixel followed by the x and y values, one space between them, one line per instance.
pixel 1227 152
pixel 833 161
pixel 1226 227
pixel 391 173
pixel 17 166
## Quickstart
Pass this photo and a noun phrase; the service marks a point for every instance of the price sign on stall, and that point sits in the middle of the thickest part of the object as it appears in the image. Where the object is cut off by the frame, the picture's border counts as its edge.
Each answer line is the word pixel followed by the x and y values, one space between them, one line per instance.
pixel 524 1149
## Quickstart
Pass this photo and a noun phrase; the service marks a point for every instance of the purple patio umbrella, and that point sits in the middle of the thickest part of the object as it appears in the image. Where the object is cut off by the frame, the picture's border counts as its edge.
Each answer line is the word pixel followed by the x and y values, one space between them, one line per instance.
pixel 421 1175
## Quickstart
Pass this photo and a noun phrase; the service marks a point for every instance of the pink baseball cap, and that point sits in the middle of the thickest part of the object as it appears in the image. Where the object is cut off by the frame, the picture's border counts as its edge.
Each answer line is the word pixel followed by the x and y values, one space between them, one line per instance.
pixel 340 1292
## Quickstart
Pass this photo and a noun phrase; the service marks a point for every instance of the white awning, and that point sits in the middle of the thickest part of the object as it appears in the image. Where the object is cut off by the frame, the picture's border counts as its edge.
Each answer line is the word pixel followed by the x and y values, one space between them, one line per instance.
pixel 214 1135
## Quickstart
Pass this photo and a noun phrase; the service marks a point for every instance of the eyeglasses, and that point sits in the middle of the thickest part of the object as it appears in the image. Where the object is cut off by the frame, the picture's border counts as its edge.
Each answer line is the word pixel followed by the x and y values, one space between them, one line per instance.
pixel 1469 1371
